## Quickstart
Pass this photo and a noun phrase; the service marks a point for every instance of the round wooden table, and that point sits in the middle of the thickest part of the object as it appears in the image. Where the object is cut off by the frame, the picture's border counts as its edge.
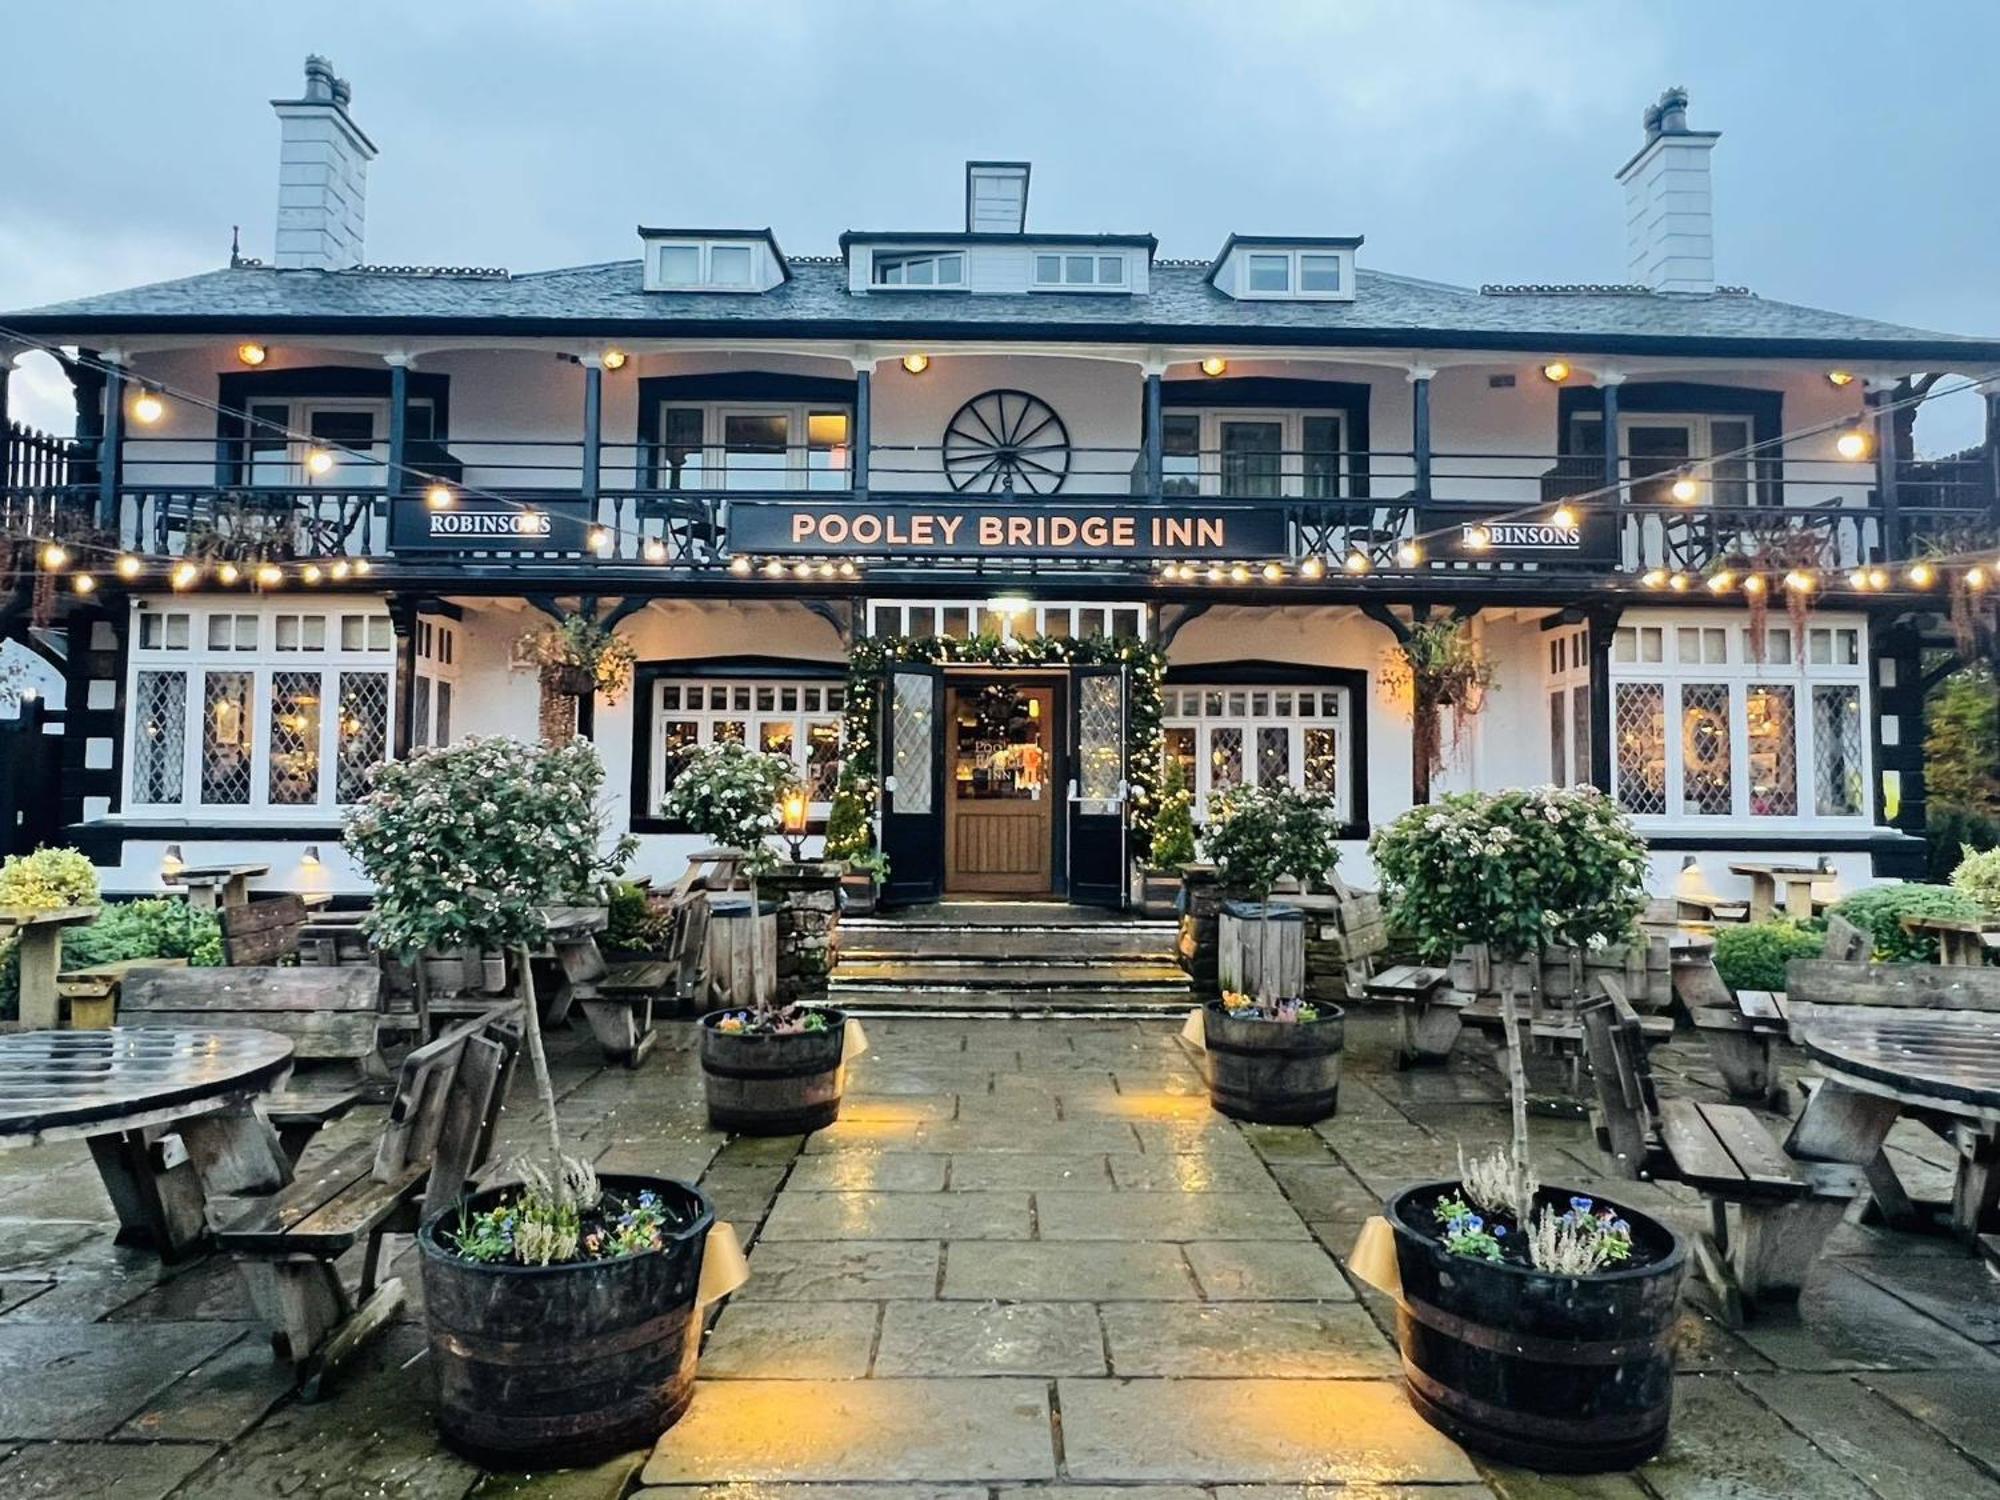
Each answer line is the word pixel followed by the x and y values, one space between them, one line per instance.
pixel 1943 1066
pixel 169 1114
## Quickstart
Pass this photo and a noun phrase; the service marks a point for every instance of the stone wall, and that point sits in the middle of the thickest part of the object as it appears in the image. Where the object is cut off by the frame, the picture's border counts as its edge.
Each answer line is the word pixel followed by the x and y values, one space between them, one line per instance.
pixel 808 897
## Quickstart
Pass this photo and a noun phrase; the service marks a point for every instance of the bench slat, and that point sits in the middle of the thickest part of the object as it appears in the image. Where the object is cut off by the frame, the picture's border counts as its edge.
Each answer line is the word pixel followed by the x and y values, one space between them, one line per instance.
pixel 265 1220
pixel 1750 1146
pixel 1829 981
pixel 337 1222
pixel 315 1036
pixel 1698 1156
pixel 339 989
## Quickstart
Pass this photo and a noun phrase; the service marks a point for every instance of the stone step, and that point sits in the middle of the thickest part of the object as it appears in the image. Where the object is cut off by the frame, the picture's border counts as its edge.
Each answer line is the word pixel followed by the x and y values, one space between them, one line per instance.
pixel 1001 913
pixel 1122 940
pixel 1020 974
pixel 863 1001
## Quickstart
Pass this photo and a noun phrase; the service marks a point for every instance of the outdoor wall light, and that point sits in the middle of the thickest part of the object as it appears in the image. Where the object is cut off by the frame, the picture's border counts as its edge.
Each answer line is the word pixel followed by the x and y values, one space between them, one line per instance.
pixel 1840 377
pixel 1215 365
pixel 1854 443
pixel 1556 371
pixel 171 863
pixel 613 359
pixel 916 364
pixel 309 856
pixel 252 354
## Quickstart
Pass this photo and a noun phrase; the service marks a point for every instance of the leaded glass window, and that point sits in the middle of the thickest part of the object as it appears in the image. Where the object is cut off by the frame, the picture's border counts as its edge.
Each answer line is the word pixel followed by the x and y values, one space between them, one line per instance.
pixel 294 739
pixel 1771 740
pixel 363 730
pixel 159 737
pixel 226 738
pixel 1837 751
pixel 1707 780
pixel 912 723
pixel 1640 724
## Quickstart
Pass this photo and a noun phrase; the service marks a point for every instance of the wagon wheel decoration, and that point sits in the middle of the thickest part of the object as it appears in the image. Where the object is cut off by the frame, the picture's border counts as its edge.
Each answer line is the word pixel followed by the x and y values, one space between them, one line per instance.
pixel 1006 442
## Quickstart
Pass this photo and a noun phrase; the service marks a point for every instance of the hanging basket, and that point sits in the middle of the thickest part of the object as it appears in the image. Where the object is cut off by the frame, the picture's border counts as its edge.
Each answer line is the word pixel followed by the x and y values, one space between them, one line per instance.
pixel 561 677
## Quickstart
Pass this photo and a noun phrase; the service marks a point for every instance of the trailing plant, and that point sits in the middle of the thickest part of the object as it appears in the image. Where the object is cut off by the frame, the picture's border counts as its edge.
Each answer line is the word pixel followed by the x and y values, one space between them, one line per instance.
pixel 577 654
pixel 1441 666
pixel 1978 876
pixel 1753 955
pixel 1879 911
pixel 1259 835
pixel 1173 821
pixel 1782 561
pixel 1145 666
pixel 1513 870
pixel 468 844
pixel 730 795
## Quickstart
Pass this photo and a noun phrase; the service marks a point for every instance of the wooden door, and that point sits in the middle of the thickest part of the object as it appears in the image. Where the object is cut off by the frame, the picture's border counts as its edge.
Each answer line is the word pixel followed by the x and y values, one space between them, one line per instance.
pixel 913 782
pixel 999 823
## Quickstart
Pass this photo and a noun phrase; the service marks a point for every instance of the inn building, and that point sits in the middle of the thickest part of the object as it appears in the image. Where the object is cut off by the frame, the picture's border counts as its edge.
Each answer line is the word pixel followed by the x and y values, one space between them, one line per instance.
pixel 1208 492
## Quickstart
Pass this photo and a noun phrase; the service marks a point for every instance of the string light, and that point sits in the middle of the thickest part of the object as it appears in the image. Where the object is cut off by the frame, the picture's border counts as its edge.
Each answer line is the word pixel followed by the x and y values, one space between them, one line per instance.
pixel 1754 584
pixel 846 569
pixel 269 575
pixel 440 497
pixel 1239 574
pixel 147 407
pixel 185 575
pixel 83 583
pixel 55 557
pixel 1653 578
pixel 1853 444
pixel 802 570
pixel 655 551
pixel 1479 538
pixel 1356 563
pixel 1878 578
pixel 319 461
pixel 1272 572
pixel 1858 579
pixel 1685 489
pixel 1975 578
pixel 310 573
pixel 339 571
pixel 1800 582
pixel 1312 567
pixel 1921 575
pixel 1409 554
pixel 1722 582
pixel 597 539
pixel 227 573
pixel 363 567
pixel 128 565
pixel 774 569
pixel 1678 583
pixel 740 566
pixel 1563 517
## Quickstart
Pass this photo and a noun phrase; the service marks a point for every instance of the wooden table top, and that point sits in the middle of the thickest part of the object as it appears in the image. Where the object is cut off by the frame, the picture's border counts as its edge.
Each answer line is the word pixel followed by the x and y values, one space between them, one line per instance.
pixel 1950 1056
pixel 1783 872
pixel 78 1083
pixel 63 916
pixel 1949 924
pixel 211 874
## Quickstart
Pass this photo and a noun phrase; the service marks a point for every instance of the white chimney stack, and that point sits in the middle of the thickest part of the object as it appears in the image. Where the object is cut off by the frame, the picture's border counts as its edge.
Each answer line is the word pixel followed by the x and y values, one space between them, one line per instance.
pixel 1669 202
pixel 322 175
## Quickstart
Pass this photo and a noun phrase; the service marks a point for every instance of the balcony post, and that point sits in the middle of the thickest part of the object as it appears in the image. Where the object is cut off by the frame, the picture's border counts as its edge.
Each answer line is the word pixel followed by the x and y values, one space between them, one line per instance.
pixel 857 468
pixel 592 478
pixel 399 424
pixel 1155 437
pixel 1599 625
pixel 6 427
pixel 1888 463
pixel 403 621
pixel 1420 429
pixel 111 445
pixel 1608 382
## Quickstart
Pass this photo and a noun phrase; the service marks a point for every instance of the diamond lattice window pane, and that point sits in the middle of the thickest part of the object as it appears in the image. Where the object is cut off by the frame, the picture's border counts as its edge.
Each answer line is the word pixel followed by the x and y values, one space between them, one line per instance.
pixel 1225 759
pixel 1707 786
pixel 1274 755
pixel 295 710
pixel 822 761
pixel 1772 727
pixel 159 738
pixel 364 731
pixel 1641 729
pixel 910 727
pixel 225 739
pixel 1837 751
pixel 1323 761
pixel 1100 738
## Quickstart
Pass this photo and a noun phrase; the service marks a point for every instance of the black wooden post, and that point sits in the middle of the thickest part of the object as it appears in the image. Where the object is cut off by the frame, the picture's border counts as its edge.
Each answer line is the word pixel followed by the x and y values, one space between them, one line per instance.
pixel 1599 626
pixel 6 428
pixel 399 426
pixel 593 433
pixel 111 451
pixel 1609 388
pixel 403 620
pixel 1155 438
pixel 863 423
pixel 1888 467
pixel 1420 430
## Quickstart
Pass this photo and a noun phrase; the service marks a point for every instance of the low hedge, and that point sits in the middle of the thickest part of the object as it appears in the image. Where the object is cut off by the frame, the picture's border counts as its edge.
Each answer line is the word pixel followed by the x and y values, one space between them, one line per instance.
pixel 1753 956
pixel 1879 911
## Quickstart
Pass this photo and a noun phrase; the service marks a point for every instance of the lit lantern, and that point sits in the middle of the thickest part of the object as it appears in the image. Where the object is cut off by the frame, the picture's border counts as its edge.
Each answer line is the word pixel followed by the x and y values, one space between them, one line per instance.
pixel 793 808
pixel 614 359
pixel 148 408
pixel 318 461
pixel 1214 366
pixel 916 364
pixel 1556 371
pixel 252 354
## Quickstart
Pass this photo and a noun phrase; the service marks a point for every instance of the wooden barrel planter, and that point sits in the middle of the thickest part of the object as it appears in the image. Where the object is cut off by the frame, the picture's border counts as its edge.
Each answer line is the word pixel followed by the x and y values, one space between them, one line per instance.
pixel 1571 1374
pixel 772 1085
pixel 1196 945
pixel 561 1366
pixel 1273 1072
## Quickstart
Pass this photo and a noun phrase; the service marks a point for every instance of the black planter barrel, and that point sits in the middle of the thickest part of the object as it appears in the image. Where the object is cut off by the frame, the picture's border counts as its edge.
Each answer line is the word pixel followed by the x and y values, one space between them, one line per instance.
pixel 1273 1072
pixel 772 1085
pixel 544 1366
pixel 1572 1374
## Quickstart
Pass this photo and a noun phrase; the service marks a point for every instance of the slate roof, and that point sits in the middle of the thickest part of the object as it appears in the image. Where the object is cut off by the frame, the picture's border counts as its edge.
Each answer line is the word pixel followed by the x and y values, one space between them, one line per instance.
pixel 607 300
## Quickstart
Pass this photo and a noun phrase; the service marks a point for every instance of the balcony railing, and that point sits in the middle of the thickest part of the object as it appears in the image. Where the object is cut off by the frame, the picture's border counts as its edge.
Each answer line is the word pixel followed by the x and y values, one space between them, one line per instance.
pixel 671 506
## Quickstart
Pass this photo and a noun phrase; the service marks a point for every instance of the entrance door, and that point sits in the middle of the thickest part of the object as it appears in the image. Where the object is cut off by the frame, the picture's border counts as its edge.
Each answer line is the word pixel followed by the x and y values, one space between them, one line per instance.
pixel 1098 788
pixel 912 758
pixel 999 822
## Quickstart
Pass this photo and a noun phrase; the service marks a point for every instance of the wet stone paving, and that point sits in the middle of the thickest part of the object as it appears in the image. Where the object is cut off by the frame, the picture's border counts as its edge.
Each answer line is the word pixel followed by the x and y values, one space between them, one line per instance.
pixel 1028 1258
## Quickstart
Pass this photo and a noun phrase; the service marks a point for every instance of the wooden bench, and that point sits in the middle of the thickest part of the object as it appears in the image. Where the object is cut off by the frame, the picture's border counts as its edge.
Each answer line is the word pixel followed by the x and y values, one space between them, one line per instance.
pixel 330 1015
pixel 92 992
pixel 1785 1207
pixel 1963 942
pixel 263 930
pixel 1430 1010
pixel 1744 1030
pixel 440 1129
pixel 1710 910
pixel 619 1000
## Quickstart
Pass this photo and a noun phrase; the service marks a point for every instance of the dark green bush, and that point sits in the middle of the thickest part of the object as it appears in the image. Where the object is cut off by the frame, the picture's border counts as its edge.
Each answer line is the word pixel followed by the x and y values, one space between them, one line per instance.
pixel 1880 909
pixel 631 921
pixel 156 927
pixel 1752 956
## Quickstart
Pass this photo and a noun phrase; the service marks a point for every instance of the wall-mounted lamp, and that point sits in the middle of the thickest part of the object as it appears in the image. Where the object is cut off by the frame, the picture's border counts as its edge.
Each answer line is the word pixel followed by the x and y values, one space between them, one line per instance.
pixel 252 354
pixel 916 364
pixel 613 359
pixel 171 863
pixel 1556 371
pixel 309 857
pixel 1215 365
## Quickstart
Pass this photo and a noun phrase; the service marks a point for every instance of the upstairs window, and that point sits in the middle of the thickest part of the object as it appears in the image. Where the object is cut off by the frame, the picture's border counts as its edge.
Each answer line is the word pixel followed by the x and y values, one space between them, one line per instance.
pixel 750 446
pixel 1319 273
pixel 1080 270
pixel 1271 274
pixel 932 269
pixel 712 265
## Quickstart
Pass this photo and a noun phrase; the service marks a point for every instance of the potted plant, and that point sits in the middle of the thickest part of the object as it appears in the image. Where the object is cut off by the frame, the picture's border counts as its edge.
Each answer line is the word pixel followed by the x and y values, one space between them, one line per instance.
pixel 767 1069
pixel 1535 1324
pixel 1159 877
pixel 557 1281
pixel 849 838
pixel 1269 1054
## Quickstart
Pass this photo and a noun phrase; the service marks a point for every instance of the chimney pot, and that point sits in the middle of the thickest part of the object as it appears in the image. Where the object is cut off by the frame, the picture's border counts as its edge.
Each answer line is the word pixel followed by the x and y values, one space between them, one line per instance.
pixel 343 93
pixel 319 78
pixel 1674 112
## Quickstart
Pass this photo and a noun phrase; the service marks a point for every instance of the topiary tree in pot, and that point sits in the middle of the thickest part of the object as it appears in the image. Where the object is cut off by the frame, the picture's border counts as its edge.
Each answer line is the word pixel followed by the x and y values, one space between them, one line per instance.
pixel 767 1070
pixel 1494 1260
pixel 1270 1057
pixel 467 845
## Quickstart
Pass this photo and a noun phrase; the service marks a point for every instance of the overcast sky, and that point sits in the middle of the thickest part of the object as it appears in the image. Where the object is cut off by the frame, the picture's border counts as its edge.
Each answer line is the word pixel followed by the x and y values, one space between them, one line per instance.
pixel 1471 142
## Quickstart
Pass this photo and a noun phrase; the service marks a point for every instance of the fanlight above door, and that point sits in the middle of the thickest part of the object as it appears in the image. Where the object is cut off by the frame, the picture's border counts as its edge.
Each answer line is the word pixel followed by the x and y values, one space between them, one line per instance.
pixel 1006 442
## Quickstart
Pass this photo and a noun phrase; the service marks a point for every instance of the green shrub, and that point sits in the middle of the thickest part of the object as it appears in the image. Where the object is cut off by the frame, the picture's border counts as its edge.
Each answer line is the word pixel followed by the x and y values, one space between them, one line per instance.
pixel 1978 876
pixel 156 927
pixel 1173 824
pixel 1949 832
pixel 1753 956
pixel 631 920
pixel 47 880
pixel 1880 909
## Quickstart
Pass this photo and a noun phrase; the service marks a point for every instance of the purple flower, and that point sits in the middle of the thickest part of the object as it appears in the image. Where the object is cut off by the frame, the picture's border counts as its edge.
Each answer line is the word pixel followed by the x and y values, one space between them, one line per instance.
pixel 1581 1205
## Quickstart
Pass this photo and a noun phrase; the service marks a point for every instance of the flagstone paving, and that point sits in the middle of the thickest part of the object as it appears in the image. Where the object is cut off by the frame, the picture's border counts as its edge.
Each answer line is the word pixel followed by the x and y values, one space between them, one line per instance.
pixel 1028 1263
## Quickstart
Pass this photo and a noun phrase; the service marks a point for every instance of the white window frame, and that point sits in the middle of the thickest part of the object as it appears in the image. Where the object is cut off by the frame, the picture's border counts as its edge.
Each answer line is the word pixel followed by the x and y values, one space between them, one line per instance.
pixel 1187 706
pixel 705 250
pixel 1294 259
pixel 196 660
pixel 797 472
pixel 1080 619
pixel 347 473
pixel 1739 672
pixel 1061 282
pixel 1700 428
pixel 1565 674
pixel 883 261
pixel 828 693
pixel 1291 423
pixel 438 649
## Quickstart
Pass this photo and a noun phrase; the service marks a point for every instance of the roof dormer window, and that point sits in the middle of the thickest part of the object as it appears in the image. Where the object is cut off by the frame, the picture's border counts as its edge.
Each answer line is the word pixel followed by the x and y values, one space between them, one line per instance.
pixel 1071 271
pixel 931 269
pixel 1301 269
pixel 729 265
pixel 700 260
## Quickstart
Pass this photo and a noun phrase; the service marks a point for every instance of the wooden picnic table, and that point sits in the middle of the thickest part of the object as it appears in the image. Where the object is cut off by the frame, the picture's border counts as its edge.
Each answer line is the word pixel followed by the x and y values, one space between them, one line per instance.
pixel 169 1114
pixel 1798 881
pixel 211 886
pixel 1941 1066
pixel 40 936
pixel 1961 940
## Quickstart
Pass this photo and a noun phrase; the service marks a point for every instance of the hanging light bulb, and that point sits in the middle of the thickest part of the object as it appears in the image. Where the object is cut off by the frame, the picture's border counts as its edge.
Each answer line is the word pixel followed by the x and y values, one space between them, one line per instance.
pixel 1878 578
pixel 1479 538
pixel 147 407
pixel 1721 582
pixel 655 550
pixel 339 571
pixel 1975 578
pixel 1312 567
pixel 1356 563
pixel 846 569
pixel 1653 578
pixel 55 557
pixel 740 566
pixel 1754 584
pixel 440 497
pixel 269 575
pixel 128 565
pixel 319 461
pixel 1678 583
pixel 1272 572
pixel 1239 574
pixel 1409 554
pixel 363 567
pixel 1800 582
pixel 83 583
pixel 1858 579
pixel 310 573
pixel 1563 517
pixel 1921 575
pixel 1685 489
pixel 597 539
pixel 1854 443
pixel 227 573
pixel 185 575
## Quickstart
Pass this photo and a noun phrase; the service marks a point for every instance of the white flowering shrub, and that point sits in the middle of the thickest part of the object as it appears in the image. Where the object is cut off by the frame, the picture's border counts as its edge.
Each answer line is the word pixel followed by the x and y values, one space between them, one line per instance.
pixel 466 843
pixel 730 795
